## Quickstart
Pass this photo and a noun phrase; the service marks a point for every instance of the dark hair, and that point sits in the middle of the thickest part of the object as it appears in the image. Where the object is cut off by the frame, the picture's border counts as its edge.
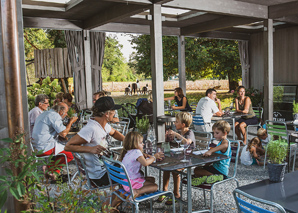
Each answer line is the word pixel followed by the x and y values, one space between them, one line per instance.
pixel 59 95
pixel 100 93
pixel 240 87
pixel 180 92
pixel 68 97
pixel 97 112
pixel 40 98
pixel 209 91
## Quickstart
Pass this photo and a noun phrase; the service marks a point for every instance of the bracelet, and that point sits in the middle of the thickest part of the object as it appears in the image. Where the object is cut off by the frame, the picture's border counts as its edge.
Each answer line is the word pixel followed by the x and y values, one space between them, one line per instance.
pixel 154 157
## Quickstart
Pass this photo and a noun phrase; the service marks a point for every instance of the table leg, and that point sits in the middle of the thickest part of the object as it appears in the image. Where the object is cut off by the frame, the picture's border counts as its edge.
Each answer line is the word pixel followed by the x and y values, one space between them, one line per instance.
pixel 234 136
pixel 189 200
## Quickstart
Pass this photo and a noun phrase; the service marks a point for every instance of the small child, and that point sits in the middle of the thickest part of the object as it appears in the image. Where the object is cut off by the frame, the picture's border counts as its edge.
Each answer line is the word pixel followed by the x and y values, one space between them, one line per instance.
pixel 263 136
pixel 219 170
pixel 252 153
pixel 133 159
pixel 182 123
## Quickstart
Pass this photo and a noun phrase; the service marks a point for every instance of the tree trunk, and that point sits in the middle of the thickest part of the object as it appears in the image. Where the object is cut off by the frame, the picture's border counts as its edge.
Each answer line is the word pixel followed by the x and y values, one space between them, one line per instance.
pixel 233 85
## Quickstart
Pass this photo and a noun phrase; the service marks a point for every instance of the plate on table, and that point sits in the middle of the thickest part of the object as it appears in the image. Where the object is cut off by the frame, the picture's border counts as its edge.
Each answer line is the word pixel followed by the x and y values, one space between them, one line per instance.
pixel 176 150
pixel 200 152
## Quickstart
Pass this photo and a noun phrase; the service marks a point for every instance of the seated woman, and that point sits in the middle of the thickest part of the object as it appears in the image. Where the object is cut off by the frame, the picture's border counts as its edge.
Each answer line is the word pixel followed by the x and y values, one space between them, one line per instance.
pixel 181 100
pixel 67 98
pixel 243 105
pixel 92 139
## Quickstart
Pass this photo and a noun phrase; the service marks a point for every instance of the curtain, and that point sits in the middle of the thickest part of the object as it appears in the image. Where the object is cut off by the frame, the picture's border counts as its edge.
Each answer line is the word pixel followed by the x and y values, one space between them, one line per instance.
pixel 244 59
pixel 74 41
pixel 97 47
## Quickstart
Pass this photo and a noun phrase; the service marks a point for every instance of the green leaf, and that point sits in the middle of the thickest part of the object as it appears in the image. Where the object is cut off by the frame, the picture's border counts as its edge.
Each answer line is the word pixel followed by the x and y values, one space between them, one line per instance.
pixel 21 188
pixel 8 172
pixel 2 178
pixel 7 140
pixel 3 197
pixel 14 192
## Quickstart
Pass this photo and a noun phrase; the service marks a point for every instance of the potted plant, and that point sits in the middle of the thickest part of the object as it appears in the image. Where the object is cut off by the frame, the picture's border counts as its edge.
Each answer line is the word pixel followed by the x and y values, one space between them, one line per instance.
pixel 142 125
pixel 295 112
pixel 277 151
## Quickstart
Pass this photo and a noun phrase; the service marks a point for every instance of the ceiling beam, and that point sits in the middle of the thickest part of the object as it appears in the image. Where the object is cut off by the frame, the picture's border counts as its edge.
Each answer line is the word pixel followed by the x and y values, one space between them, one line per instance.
pixel 135 29
pixel 215 24
pixel 113 14
pixel 283 10
pixel 141 1
pixel 223 35
pixel 46 8
pixel 72 4
pixel 289 19
pixel 52 23
pixel 226 7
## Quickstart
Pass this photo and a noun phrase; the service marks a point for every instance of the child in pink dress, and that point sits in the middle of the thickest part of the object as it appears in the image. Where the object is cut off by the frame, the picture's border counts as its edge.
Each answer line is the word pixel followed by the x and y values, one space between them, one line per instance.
pixel 133 159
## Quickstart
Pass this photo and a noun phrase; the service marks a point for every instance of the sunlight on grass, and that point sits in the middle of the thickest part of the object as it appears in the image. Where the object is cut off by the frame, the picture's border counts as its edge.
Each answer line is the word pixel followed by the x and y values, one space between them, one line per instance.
pixel 192 96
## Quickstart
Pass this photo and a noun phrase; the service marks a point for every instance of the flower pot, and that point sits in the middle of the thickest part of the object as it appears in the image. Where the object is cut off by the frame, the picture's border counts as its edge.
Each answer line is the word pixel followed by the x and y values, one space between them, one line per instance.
pixel 276 172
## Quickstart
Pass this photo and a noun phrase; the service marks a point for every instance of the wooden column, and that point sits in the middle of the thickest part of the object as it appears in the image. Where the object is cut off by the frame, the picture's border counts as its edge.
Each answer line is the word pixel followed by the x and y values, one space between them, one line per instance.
pixel 181 63
pixel 157 69
pixel 268 69
pixel 87 57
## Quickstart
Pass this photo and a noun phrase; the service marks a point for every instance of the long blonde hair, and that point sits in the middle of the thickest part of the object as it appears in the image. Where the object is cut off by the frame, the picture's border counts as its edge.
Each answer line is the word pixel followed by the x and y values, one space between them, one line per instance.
pixel 131 141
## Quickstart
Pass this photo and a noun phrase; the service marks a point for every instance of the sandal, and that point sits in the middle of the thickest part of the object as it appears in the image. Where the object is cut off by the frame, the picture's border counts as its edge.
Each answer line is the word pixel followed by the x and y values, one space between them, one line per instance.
pixel 161 198
pixel 170 202
pixel 198 181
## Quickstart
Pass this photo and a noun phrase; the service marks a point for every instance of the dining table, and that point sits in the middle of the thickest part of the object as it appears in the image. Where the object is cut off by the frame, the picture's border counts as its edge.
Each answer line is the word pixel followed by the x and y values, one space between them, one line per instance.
pixel 172 162
pixel 232 116
pixel 284 193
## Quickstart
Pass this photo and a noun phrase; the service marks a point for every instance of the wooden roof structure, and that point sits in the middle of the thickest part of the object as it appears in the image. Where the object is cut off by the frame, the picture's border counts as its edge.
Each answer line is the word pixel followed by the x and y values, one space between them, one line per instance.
pixel 231 19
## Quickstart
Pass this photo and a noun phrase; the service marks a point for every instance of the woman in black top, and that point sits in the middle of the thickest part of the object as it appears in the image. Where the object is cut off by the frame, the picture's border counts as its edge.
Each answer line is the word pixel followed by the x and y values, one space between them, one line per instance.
pixel 181 100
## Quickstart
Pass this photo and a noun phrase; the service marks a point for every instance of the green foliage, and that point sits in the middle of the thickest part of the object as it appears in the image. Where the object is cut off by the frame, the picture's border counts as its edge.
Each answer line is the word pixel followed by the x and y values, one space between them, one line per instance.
pixel 142 124
pixel 278 92
pixel 203 58
pixel 114 67
pixel 277 151
pixel 295 107
pixel 48 87
pixel 20 185
pixel 256 96
pixel 71 112
pixel 57 38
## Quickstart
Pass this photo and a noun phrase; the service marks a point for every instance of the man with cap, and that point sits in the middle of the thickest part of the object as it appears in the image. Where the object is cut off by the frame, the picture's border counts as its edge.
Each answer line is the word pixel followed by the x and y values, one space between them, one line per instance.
pixel 92 139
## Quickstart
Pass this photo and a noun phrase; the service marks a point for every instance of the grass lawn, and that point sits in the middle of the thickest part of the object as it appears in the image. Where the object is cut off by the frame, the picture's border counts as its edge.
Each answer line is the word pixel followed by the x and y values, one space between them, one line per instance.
pixel 192 96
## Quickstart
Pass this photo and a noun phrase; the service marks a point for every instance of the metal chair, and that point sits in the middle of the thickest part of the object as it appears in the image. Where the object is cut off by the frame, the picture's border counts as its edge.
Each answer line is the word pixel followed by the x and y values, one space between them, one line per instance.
pixel 245 206
pixel 211 187
pixel 83 172
pixel 203 139
pixel 119 174
pixel 46 157
pixel 193 106
pixel 280 129
pixel 259 113
pixel 197 120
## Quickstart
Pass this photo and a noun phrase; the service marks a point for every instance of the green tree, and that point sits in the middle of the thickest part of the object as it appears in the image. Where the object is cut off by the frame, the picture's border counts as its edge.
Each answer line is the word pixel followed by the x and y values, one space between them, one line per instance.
pixel 203 58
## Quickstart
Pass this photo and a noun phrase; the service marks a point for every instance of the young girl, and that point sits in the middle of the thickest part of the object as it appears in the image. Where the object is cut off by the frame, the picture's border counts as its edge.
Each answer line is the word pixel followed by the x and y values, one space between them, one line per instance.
pixel 219 170
pixel 133 159
pixel 252 153
pixel 182 123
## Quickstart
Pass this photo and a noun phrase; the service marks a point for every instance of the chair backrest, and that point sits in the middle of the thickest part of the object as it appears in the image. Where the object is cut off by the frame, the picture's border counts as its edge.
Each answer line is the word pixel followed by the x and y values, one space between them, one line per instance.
pixel 197 119
pixel 82 168
pixel 245 206
pixel 193 106
pixel 117 172
pixel 125 113
pixel 258 112
pixel 203 139
pixel 277 128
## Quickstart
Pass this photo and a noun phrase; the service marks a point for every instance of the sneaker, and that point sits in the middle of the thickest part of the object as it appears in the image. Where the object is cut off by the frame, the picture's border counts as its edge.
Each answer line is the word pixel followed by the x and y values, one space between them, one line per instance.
pixel 214 178
pixel 198 181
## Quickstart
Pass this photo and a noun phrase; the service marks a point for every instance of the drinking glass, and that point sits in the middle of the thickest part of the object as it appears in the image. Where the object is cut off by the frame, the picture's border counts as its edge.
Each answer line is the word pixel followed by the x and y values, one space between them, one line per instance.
pixel 159 149
pixel 178 140
pixel 185 146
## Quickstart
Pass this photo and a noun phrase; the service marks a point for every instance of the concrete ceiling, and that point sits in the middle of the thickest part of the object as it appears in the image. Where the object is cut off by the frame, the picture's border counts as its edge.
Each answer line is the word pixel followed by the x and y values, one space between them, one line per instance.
pixel 231 19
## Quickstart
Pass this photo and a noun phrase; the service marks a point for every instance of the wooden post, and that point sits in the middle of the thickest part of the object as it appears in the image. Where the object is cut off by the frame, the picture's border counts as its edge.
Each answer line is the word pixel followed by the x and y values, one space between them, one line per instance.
pixel 157 69
pixel 268 69
pixel 181 63
pixel 87 57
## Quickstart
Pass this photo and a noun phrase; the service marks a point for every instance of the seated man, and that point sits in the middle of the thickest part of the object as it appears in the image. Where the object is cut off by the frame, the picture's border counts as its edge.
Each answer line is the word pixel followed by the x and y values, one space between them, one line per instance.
pixel 41 104
pixel 48 126
pixel 100 94
pixel 206 107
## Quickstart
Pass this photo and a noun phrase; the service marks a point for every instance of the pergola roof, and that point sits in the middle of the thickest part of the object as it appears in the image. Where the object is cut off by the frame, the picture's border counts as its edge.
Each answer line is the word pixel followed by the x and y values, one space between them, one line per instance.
pixel 229 19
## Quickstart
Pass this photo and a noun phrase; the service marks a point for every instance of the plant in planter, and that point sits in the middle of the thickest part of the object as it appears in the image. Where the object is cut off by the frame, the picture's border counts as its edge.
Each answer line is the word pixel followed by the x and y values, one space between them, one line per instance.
pixel 277 151
pixel 295 112
pixel 142 124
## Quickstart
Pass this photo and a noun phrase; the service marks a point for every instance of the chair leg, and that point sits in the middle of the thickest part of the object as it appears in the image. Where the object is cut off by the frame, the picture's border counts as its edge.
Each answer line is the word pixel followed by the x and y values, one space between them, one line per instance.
pixel 211 201
pixel 67 168
pixel 265 158
pixel 205 197
pixel 294 159
pixel 173 203
pixel 151 209
pixel 74 176
pixel 137 207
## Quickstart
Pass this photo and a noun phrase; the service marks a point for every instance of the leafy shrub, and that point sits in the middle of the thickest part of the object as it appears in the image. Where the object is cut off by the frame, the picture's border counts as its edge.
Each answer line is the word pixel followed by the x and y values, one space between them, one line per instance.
pixel 277 151
pixel 48 87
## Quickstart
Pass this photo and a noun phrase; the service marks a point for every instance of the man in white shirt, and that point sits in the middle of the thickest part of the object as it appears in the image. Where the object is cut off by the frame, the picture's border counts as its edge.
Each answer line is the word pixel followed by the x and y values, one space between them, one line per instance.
pixel 41 104
pixel 206 107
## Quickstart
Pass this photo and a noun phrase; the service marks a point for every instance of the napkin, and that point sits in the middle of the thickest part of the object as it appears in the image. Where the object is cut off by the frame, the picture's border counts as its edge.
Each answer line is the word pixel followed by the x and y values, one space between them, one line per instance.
pixel 200 152
pixel 176 150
